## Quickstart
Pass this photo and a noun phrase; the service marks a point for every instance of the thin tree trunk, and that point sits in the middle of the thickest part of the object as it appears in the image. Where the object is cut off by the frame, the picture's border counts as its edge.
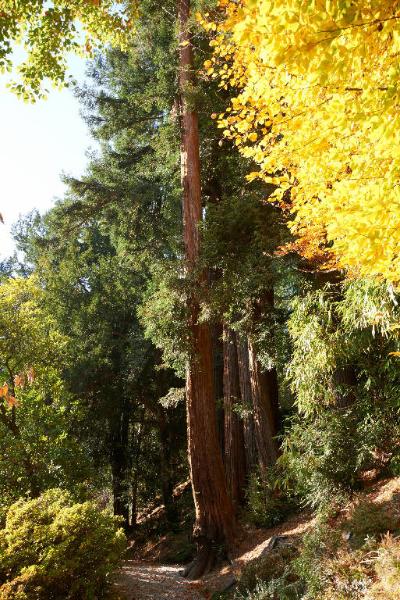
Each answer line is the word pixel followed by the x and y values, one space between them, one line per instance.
pixel 134 498
pixel 136 470
pixel 11 424
pixel 120 465
pixel 120 492
pixel 235 460
pixel 166 475
pixel 214 511
pixel 247 401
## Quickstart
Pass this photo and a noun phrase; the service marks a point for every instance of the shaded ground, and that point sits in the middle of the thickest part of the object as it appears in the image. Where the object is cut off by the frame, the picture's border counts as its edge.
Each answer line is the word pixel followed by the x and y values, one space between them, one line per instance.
pixel 251 544
pixel 149 581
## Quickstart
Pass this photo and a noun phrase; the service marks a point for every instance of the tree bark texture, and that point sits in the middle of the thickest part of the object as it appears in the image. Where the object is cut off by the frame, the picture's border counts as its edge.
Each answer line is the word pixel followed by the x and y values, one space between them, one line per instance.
pixel 218 360
pixel 234 450
pixel 214 510
pixel 247 401
pixel 264 388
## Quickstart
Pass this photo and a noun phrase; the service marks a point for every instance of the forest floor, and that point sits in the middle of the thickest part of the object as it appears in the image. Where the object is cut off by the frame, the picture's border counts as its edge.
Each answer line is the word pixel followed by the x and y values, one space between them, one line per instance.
pixel 149 574
pixel 151 580
pixel 140 580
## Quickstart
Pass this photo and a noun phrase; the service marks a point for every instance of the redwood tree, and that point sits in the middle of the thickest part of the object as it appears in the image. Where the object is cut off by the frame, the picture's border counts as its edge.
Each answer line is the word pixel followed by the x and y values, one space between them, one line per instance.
pixel 234 447
pixel 214 511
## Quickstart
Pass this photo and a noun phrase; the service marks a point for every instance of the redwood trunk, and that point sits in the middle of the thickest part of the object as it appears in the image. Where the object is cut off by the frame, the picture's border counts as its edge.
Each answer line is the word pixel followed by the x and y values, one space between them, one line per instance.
pixel 218 360
pixel 214 510
pixel 235 460
pixel 264 388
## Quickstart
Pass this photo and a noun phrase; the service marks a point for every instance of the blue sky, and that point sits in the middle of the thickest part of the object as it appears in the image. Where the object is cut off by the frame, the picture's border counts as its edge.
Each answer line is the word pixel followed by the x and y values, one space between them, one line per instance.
pixel 37 143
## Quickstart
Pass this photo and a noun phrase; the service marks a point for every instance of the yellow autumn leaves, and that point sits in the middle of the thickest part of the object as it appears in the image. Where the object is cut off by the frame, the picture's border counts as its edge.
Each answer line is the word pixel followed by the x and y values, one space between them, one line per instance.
pixel 315 104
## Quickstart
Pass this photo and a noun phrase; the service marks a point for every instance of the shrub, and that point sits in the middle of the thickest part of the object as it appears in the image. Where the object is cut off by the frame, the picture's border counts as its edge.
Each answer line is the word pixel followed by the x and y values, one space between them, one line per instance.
pixel 319 545
pixel 344 557
pixel 54 549
pixel 270 569
pixel 325 454
pixel 275 589
pixel 320 458
pixel 387 568
pixel 267 503
pixel 335 566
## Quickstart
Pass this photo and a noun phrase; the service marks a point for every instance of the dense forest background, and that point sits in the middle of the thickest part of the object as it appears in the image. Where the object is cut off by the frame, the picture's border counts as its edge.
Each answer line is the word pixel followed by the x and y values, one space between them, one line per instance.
pixel 144 348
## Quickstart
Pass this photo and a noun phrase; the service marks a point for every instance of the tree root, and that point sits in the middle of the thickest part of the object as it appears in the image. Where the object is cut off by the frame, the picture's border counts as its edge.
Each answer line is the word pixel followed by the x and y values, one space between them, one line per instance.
pixel 203 563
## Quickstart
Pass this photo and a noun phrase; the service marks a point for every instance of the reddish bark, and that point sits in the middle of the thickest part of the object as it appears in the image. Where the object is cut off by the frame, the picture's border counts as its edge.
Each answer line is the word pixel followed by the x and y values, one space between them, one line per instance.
pixel 214 511
pixel 247 401
pixel 235 460
pixel 264 387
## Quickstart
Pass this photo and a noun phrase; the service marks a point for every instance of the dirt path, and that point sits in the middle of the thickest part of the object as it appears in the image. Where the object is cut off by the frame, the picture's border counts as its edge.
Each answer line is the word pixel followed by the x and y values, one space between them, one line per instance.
pixel 149 581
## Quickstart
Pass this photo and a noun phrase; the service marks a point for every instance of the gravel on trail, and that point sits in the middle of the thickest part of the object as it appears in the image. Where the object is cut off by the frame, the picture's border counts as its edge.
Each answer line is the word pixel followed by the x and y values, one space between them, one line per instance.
pixel 149 581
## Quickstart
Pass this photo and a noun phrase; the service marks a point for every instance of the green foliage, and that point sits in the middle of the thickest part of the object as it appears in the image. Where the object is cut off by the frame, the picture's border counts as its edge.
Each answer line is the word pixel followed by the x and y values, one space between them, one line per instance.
pixel 93 290
pixel 48 31
pixel 325 456
pixel 343 558
pixel 30 337
pixel 164 317
pixel 387 569
pixel 52 548
pixel 281 588
pixel 346 386
pixel 339 559
pixel 239 237
pixel 38 417
pixel 267 503
pixel 338 328
pixel 100 255
pixel 318 545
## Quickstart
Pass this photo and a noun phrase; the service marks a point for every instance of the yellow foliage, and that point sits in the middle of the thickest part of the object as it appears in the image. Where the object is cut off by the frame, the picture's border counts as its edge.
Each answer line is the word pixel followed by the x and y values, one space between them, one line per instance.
pixel 315 103
pixel 49 31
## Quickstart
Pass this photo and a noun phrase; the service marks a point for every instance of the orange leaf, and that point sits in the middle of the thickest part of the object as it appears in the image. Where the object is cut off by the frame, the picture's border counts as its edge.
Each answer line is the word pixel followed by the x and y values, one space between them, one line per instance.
pixel 11 401
pixel 4 390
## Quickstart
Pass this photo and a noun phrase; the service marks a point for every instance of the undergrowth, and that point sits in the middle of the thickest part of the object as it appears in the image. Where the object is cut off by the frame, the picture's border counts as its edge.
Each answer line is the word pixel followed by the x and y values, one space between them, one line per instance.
pixel 268 502
pixel 353 555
